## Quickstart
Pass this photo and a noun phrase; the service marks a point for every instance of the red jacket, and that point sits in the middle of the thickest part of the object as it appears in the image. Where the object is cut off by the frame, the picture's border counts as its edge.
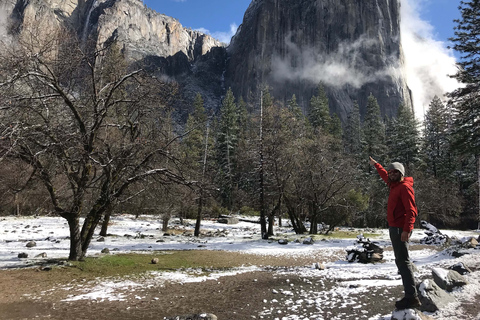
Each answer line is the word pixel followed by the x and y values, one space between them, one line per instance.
pixel 401 208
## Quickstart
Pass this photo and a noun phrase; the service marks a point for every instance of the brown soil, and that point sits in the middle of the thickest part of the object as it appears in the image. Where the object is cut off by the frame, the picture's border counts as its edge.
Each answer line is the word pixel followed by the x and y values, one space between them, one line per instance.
pixel 33 294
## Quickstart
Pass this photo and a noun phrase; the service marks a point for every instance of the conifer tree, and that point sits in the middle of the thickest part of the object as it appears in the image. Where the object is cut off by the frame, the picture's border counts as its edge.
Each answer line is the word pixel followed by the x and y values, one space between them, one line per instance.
pixel 436 142
pixel 353 132
pixel 336 127
pixel 319 113
pixel 294 107
pixel 403 138
pixel 227 139
pixel 466 99
pixel 373 131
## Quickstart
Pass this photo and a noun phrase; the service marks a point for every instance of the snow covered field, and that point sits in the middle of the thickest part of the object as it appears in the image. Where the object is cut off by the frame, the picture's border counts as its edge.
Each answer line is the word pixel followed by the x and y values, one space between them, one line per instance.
pixel 143 235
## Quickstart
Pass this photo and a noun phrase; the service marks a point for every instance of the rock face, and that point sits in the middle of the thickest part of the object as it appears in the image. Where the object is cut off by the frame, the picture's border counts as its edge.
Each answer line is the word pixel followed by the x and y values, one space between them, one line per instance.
pixel 352 47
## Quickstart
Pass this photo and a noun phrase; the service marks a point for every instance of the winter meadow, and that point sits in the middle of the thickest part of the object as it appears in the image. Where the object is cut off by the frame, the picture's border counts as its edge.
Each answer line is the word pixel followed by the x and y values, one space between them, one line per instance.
pixel 124 195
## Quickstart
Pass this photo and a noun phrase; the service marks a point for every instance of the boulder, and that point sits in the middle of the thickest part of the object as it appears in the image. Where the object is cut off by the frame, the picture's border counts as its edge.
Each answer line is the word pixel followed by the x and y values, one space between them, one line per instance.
pixel 448 279
pixel 432 296
pixel 23 255
pixel 41 255
pixel 154 260
pixel 283 241
pixel 106 250
pixel 409 314
pixel 202 316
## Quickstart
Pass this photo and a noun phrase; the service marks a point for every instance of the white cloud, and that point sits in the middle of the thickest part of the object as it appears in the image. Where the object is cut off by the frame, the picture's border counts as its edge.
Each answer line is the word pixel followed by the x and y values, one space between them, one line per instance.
pixel 428 62
pixel 340 68
pixel 225 37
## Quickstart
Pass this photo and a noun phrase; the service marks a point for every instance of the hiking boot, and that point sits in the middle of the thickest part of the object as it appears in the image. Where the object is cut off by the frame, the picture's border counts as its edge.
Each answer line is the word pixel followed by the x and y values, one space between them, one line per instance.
pixel 408 303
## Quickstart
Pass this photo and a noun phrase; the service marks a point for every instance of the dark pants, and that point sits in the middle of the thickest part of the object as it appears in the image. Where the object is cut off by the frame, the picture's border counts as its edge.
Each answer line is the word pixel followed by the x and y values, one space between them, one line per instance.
pixel 402 260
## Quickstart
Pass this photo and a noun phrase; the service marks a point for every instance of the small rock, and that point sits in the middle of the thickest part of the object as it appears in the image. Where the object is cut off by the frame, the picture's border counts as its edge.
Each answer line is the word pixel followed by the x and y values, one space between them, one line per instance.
pixel 458 254
pixel 283 241
pixel 23 255
pixel 308 241
pixel 154 260
pixel 461 268
pixel 319 266
pixel 470 243
pixel 31 244
pixel 106 250
pixel 41 255
pixel 228 220
pixel 101 239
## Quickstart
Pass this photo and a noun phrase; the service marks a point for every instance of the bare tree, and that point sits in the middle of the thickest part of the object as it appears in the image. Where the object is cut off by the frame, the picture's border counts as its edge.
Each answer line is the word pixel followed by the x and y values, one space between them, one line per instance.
pixel 88 127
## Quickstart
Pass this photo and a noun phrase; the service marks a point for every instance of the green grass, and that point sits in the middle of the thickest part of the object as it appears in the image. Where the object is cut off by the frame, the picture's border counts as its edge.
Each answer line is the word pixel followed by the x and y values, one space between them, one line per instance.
pixel 128 264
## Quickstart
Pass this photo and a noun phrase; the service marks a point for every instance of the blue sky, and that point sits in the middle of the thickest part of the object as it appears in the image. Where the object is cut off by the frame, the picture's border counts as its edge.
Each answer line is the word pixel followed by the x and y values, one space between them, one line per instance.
pixel 220 18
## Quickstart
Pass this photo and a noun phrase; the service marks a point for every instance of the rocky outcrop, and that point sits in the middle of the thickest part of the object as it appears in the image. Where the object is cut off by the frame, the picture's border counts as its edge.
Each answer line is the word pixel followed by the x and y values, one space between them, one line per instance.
pixel 352 47
pixel 148 39
pixel 144 32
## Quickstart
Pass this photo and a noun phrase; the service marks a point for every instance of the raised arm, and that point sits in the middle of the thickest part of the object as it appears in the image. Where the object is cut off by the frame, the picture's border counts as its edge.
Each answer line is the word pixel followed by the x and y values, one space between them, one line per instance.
pixel 381 171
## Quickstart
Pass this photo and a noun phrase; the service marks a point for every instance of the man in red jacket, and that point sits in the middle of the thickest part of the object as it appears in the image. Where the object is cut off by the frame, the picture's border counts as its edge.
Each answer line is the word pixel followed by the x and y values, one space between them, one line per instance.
pixel 401 214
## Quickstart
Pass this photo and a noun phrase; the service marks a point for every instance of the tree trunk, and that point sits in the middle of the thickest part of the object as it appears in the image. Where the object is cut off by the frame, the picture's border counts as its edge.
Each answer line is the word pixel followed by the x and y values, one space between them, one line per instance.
pixel 17 204
pixel 199 215
pixel 75 239
pixel 263 222
pixel 165 220
pixel 478 179
pixel 313 224
pixel 89 230
pixel 106 221
pixel 298 226
pixel 271 218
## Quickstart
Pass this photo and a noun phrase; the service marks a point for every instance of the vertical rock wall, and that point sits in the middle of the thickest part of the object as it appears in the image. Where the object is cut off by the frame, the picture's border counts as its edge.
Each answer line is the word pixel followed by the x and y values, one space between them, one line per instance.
pixel 352 47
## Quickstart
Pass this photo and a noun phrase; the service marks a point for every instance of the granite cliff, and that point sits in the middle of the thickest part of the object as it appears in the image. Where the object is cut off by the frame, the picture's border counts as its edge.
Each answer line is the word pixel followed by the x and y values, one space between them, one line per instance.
pixel 352 47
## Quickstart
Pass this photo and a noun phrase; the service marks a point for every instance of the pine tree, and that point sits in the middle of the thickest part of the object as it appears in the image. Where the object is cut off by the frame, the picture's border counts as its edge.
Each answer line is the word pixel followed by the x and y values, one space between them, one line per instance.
pixel 294 107
pixel 466 99
pixel 227 140
pixel 373 131
pixel 436 142
pixel 319 113
pixel 403 138
pixel 353 132
pixel 336 127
